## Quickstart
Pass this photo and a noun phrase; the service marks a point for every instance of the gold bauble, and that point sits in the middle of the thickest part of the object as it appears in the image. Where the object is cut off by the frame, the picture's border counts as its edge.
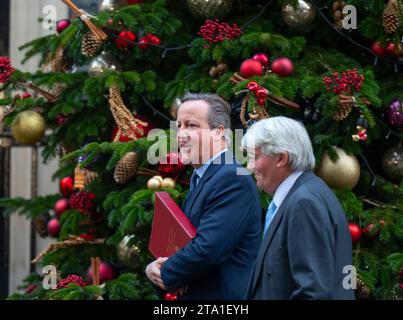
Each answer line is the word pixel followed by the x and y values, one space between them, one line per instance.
pixel 344 173
pixel 208 9
pixel 300 16
pixel 154 184
pixel 392 163
pixel 128 254
pixel 168 183
pixel 28 127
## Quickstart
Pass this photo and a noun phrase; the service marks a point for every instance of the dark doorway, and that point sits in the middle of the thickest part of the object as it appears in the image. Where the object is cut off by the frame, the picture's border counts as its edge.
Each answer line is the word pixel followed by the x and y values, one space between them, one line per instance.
pixel 4 162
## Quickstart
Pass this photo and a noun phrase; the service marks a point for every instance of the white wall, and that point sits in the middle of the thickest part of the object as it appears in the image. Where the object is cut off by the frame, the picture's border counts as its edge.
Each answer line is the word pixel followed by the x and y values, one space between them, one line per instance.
pixel 24 26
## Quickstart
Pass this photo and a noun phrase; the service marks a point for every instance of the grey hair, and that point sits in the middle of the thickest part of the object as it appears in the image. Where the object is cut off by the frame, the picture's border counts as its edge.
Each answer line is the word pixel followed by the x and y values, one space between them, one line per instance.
pixel 219 111
pixel 280 134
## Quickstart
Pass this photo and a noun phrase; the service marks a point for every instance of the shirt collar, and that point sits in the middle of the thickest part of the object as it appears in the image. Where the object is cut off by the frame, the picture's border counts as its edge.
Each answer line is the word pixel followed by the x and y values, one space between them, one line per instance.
pixel 202 169
pixel 285 187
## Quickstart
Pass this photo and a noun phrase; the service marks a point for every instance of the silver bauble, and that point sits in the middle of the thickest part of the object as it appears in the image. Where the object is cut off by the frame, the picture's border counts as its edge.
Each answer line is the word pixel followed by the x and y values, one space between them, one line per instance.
pixel 102 64
pixel 300 16
pixel 208 9
pixel 128 255
pixel 392 163
pixel 111 5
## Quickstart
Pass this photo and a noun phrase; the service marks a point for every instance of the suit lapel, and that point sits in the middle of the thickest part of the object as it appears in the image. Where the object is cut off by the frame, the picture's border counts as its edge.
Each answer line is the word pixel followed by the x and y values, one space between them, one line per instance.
pixel 212 168
pixel 273 227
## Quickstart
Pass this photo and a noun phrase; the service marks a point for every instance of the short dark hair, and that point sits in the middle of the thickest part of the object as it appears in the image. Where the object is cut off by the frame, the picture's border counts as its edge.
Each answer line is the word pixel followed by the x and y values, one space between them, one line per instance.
pixel 219 110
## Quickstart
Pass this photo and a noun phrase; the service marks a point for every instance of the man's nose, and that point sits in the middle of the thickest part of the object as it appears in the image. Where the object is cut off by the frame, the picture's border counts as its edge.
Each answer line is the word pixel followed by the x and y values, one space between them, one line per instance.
pixel 251 165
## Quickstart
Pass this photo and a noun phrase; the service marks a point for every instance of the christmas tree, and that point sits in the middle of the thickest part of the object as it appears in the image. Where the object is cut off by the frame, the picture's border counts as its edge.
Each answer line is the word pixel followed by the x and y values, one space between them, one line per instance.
pixel 107 80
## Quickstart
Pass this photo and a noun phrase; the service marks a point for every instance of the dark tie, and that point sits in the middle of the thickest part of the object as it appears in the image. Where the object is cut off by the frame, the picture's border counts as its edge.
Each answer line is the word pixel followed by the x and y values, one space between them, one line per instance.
pixel 193 181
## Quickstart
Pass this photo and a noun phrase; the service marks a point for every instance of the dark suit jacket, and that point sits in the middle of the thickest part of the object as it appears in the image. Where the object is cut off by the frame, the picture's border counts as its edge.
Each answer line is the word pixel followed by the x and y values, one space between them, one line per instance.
pixel 305 248
pixel 217 263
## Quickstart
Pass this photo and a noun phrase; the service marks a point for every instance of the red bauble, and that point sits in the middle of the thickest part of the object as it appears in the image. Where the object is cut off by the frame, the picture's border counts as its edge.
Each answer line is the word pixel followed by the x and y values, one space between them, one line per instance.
pixel 148 39
pixel 282 66
pixel 377 48
pixel 106 272
pixel 62 24
pixel 60 119
pixel 250 68
pixel 355 232
pixel 171 165
pixel 53 227
pixel 262 58
pixel 134 1
pixel 61 206
pixel 67 186
pixel 171 296
pixel 87 236
pixel 393 51
pixel 122 41
pixel 143 43
pixel 146 129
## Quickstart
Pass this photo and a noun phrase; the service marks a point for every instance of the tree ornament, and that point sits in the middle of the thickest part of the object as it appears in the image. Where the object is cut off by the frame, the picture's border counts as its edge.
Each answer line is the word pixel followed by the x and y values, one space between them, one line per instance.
pixel 250 68
pixel 106 273
pixel 392 163
pixel 342 174
pixel 148 39
pixel 216 31
pixel 218 71
pixel 79 175
pixel 362 290
pixel 102 64
pixel 41 224
pixel 299 17
pixel 110 5
pixel 62 25
pixel 391 16
pixel 154 183
pixel 171 296
pixel 355 232
pixel 54 228
pixel 361 127
pixel 28 127
pixel 66 186
pixel 61 206
pixel 6 70
pixel 207 9
pixel 131 2
pixel 171 165
pixel 64 283
pixel 394 51
pixel 126 168
pixel 262 58
pixel 90 45
pixel 395 114
pixel 173 109
pixel 125 40
pixel 338 14
pixel 83 201
pixel 129 254
pixel 282 67
pixel 378 49
pixel 168 183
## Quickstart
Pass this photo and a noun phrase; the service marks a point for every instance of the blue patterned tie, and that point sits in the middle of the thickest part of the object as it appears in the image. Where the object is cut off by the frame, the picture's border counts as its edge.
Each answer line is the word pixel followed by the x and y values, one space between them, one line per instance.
pixel 269 216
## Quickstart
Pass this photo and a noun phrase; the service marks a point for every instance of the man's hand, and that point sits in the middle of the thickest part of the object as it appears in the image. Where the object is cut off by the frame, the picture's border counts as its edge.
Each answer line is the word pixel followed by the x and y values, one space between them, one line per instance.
pixel 153 272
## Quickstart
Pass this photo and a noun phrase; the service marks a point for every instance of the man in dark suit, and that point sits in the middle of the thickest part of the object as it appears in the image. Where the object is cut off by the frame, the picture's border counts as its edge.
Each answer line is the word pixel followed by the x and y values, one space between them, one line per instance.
pixel 223 204
pixel 306 241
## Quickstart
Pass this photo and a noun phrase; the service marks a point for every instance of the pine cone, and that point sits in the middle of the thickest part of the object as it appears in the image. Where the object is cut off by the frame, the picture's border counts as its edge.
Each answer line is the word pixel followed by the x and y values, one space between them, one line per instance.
pixel 90 45
pixel 363 291
pixel 391 16
pixel 343 111
pixel 126 168
pixel 41 224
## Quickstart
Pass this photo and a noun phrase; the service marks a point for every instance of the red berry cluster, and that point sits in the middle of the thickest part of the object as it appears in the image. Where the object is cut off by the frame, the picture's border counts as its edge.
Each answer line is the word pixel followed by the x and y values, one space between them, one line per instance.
pixel 348 81
pixel 216 31
pixel 261 93
pixel 6 70
pixel 64 283
pixel 148 39
pixel 82 201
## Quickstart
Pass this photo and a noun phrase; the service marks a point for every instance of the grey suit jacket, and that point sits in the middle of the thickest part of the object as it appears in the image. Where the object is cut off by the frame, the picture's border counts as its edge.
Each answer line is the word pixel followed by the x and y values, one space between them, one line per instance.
pixel 306 247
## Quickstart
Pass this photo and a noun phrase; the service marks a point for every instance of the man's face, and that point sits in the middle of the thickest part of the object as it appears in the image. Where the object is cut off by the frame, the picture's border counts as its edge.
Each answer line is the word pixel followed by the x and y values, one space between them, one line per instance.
pixel 194 135
pixel 266 170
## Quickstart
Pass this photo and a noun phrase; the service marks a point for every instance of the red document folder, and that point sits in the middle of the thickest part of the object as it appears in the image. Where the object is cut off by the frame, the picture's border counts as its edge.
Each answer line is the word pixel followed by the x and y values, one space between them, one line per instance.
pixel 171 230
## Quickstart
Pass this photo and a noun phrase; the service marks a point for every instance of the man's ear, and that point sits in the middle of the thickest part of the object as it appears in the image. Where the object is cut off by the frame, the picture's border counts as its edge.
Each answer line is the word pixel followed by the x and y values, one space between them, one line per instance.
pixel 219 132
pixel 282 160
